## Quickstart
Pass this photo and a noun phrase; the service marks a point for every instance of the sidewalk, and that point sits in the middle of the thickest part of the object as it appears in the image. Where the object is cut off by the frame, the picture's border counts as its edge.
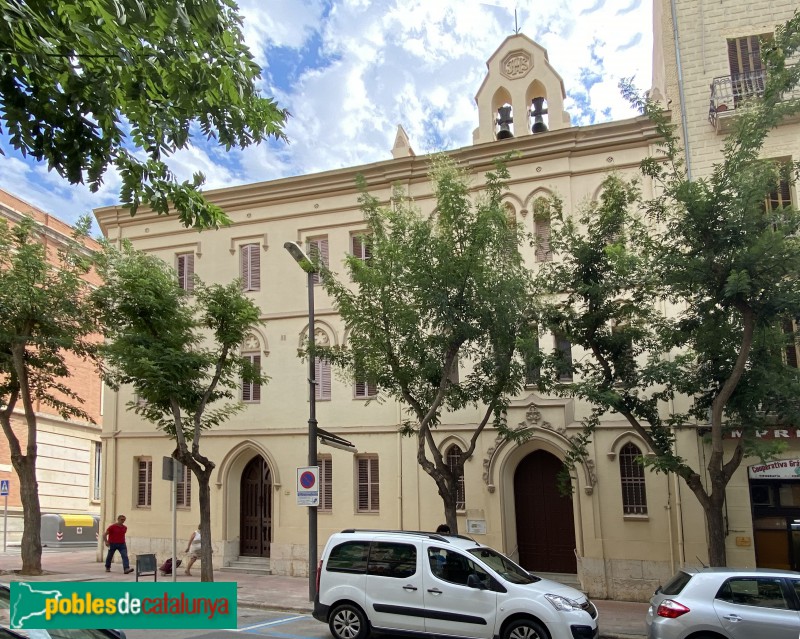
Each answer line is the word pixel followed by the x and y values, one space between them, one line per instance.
pixel 618 619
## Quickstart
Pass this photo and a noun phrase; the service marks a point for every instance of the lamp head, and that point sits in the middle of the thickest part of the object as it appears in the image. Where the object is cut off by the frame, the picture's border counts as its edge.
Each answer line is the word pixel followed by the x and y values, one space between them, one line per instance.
pixel 300 257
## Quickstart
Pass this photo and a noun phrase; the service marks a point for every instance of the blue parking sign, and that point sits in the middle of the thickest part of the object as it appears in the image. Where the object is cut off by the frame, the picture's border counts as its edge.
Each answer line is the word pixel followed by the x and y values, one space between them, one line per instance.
pixel 3 487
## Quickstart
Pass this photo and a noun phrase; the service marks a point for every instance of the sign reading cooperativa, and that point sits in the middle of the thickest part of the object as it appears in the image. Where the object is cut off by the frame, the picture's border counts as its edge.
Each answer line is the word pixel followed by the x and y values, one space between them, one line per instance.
pixel 44 605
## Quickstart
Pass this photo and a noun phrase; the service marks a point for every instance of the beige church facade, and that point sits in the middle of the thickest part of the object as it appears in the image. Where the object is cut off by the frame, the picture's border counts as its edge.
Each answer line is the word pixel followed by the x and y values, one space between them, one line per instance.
pixel 620 534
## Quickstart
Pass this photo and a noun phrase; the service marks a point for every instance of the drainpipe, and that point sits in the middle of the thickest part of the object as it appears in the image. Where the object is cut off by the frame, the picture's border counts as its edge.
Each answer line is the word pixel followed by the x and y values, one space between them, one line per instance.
pixel 684 122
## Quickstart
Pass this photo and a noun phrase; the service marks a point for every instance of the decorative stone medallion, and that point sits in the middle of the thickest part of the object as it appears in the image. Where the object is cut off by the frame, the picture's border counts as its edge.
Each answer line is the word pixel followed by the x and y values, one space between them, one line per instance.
pixel 516 64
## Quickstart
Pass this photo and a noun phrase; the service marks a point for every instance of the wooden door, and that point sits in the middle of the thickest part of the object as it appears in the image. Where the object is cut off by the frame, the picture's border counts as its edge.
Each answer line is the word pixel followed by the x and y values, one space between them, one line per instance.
pixel 545 521
pixel 256 509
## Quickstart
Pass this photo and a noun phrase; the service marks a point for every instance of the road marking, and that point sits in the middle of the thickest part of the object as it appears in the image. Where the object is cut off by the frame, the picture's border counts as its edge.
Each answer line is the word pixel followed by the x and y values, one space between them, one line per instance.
pixel 274 622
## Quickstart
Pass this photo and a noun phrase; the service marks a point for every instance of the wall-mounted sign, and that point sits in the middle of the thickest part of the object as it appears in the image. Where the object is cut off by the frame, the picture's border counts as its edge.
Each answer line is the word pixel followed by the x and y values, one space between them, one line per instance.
pixel 778 469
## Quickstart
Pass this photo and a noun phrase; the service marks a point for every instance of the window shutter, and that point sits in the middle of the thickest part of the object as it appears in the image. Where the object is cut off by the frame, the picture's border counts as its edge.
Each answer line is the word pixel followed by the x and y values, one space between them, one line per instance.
pixel 186 271
pixel 744 55
pixel 374 480
pixel 543 252
pixel 361 247
pixel 325 483
pixel 363 485
pixel 322 373
pixel 318 251
pixel 251 267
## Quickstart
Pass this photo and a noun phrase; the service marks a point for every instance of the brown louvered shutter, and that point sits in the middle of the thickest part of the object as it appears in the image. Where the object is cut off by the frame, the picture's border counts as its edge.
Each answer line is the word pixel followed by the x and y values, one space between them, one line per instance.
pixel 744 55
pixel 251 267
pixel 186 271
pixel 318 251
pixel 543 252
pixel 322 373
pixel 368 483
pixel 184 488
pixel 325 464
pixel 780 198
pixel 374 481
pixel 361 248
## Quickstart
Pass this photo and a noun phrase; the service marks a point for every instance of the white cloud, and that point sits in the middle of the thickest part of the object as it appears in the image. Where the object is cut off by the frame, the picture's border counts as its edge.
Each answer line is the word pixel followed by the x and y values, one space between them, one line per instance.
pixel 358 68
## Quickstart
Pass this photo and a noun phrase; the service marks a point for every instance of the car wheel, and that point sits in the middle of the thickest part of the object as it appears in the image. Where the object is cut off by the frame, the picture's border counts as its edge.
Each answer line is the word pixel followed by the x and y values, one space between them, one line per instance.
pixel 525 629
pixel 348 622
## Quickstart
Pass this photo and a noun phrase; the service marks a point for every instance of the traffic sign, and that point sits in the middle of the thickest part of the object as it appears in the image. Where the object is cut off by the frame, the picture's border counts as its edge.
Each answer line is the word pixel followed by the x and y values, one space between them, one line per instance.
pixel 308 486
pixel 3 487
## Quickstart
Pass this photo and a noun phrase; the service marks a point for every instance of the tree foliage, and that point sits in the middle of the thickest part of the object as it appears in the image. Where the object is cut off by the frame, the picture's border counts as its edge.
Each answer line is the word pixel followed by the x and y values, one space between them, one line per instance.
pixel 436 311
pixel 89 85
pixel 46 318
pixel 688 295
pixel 179 352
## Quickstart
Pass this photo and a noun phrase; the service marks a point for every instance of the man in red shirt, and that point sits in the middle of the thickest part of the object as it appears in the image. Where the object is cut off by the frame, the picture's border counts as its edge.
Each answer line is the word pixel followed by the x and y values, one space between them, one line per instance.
pixel 115 540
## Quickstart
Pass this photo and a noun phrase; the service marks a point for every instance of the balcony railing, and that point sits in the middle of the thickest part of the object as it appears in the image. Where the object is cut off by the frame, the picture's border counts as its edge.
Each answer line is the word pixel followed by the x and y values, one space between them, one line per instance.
pixel 730 91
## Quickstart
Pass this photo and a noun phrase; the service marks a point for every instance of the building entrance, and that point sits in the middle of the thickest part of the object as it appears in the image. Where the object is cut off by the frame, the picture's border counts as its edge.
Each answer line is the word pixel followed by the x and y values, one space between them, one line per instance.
pixel 256 509
pixel 775 500
pixel 545 521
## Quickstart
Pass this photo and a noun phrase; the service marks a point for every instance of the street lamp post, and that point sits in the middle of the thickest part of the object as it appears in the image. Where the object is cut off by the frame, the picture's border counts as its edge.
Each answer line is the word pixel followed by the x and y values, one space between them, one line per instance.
pixel 308 266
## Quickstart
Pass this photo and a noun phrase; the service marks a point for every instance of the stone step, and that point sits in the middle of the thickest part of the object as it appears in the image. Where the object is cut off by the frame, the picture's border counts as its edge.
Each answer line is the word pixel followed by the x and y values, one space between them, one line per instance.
pixel 246 569
pixel 249 565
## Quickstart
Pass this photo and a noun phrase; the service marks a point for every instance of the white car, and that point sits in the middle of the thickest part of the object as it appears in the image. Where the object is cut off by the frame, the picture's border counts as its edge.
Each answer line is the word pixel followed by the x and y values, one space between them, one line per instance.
pixel 426 583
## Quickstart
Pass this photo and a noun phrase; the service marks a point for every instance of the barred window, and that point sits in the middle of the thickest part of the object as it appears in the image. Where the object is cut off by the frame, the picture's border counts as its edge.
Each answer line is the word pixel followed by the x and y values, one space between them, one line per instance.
pixel 453 456
pixel 251 391
pixel 564 352
pixel 631 471
pixel 144 483
pixel 325 483
pixel 184 488
pixel 368 482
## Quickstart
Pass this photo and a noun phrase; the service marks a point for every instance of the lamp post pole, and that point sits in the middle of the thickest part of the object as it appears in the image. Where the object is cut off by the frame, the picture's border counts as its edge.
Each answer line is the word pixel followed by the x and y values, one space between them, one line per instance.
pixel 312 439
pixel 308 266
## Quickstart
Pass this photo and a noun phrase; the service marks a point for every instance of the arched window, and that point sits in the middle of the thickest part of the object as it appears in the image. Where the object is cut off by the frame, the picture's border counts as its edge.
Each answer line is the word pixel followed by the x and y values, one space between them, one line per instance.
pixel 631 472
pixel 453 456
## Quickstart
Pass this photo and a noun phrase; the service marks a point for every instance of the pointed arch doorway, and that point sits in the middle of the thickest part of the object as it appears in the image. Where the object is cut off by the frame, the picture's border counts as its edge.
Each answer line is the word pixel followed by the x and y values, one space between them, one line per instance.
pixel 255 530
pixel 545 520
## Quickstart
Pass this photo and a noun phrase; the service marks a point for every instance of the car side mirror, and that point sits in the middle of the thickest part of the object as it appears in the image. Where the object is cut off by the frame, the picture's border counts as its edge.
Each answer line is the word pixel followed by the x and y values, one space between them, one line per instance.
pixel 473 581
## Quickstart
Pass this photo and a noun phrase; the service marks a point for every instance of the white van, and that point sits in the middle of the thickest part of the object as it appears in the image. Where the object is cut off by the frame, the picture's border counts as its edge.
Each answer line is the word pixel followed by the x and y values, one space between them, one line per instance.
pixel 450 586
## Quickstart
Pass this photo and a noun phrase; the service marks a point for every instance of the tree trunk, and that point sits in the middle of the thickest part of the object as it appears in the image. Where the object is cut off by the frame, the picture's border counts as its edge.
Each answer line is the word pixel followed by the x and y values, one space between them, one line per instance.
pixel 715 526
pixel 204 499
pixel 31 549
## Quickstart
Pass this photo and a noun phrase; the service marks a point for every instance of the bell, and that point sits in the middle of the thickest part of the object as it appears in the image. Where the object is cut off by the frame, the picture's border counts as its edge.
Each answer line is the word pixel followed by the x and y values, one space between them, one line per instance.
pixel 537 112
pixel 505 120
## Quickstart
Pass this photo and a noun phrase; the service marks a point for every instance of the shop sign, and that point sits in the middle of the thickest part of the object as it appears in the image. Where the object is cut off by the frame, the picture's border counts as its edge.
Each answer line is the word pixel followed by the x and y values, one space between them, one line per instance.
pixel 768 433
pixel 778 469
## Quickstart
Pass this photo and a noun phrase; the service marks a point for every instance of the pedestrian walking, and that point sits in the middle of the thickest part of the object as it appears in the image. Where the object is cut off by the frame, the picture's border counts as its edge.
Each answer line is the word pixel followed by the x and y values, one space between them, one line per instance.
pixel 443 529
pixel 114 537
pixel 193 548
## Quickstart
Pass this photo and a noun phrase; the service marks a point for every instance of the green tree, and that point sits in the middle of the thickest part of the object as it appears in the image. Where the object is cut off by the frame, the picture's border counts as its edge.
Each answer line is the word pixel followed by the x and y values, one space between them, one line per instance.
pixel 85 86
pixel 179 352
pixel 687 296
pixel 437 294
pixel 45 321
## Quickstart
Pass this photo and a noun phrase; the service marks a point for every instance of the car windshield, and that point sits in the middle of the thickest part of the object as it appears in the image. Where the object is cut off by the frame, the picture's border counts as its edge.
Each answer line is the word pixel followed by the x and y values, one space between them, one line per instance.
pixel 503 566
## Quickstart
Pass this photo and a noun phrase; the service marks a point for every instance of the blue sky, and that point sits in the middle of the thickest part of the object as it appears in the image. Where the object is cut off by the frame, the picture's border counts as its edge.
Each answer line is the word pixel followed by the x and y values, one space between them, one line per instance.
pixel 350 71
